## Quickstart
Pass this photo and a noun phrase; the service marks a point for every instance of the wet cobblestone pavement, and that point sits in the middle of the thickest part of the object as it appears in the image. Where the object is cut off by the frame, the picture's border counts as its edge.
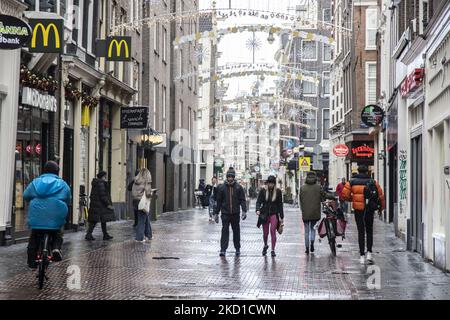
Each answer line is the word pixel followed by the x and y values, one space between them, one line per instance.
pixel 182 262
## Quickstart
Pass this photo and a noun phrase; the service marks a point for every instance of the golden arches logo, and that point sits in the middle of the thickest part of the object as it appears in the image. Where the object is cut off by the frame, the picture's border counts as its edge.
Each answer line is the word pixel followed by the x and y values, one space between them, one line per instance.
pixel 118 48
pixel 45 35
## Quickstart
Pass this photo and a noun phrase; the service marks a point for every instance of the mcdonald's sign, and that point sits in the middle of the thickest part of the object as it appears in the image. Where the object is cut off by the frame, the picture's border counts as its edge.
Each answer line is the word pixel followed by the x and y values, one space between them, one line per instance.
pixel 115 48
pixel 47 35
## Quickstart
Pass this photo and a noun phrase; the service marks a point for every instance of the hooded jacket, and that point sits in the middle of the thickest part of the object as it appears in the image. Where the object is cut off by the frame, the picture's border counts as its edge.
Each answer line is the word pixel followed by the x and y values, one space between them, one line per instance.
pixel 49 198
pixel 311 195
pixel 354 191
pixel 230 199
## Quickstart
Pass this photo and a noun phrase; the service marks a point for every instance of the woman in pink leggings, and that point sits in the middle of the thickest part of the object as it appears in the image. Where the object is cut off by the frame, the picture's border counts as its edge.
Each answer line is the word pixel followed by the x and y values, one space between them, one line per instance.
pixel 269 208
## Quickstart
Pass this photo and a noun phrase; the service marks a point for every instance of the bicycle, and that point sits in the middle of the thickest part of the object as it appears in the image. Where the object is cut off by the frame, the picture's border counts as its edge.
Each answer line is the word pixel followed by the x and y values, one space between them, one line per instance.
pixel 43 258
pixel 332 225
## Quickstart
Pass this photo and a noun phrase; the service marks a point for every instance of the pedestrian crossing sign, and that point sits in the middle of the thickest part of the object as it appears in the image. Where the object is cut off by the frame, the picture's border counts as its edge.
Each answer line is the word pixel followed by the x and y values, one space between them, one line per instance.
pixel 304 164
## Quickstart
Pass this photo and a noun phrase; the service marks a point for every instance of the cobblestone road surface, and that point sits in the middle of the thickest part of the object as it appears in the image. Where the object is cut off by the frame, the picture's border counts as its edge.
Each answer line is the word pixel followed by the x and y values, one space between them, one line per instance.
pixel 182 262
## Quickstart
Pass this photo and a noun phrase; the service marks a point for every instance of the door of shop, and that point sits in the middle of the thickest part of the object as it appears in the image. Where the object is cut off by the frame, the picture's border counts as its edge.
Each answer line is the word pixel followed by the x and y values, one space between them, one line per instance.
pixel 416 194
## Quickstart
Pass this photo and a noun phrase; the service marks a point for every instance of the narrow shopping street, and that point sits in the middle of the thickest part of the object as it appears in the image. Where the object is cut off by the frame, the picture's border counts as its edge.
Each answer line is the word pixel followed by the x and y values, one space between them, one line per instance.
pixel 182 262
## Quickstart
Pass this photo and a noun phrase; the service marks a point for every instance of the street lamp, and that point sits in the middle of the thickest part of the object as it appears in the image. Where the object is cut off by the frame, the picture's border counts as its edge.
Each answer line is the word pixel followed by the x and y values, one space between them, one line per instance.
pixel 271 38
pixel 150 138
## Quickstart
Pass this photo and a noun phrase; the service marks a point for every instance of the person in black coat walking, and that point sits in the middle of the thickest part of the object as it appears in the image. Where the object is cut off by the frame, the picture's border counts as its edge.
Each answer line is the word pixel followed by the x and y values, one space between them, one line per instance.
pixel 230 200
pixel 101 208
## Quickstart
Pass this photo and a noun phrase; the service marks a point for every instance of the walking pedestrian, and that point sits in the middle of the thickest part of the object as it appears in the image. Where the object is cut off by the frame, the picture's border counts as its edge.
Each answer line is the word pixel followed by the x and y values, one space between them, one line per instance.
pixel 339 188
pixel 367 197
pixel 130 188
pixel 230 199
pixel 311 196
pixel 203 197
pixel 49 197
pixel 101 208
pixel 211 190
pixel 269 209
pixel 142 186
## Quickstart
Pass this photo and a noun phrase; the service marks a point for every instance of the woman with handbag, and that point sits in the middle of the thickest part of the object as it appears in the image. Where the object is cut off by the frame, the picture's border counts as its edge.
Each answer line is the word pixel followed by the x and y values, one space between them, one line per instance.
pixel 101 208
pixel 269 208
pixel 142 193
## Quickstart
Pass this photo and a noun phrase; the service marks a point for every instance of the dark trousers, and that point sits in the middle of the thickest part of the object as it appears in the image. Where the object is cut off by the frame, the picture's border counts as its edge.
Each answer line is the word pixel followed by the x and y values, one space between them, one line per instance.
pixel 228 219
pixel 364 224
pixel 136 212
pixel 92 226
pixel 55 242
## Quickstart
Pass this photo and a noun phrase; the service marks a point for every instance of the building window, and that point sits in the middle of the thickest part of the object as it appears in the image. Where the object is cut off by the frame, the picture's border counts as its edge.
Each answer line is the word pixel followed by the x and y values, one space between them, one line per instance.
pixel 163 112
pixel 155 101
pixel 325 123
pixel 309 119
pixel 371 82
pixel 326 82
pixel 309 88
pixel 309 50
pixel 181 65
pixel 326 14
pixel 371 29
pixel 164 44
pixel 156 37
pixel 327 53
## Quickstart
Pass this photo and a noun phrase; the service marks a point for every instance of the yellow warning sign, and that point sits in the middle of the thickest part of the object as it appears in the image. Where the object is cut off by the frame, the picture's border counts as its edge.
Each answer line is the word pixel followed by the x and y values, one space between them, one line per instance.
pixel 304 163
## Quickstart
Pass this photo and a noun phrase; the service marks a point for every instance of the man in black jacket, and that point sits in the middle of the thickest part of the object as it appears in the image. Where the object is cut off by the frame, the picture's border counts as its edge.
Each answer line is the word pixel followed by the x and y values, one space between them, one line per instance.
pixel 230 199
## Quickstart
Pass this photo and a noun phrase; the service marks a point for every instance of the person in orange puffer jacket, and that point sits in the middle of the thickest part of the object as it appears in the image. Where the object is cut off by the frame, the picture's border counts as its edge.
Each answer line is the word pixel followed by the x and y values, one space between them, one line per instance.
pixel 354 192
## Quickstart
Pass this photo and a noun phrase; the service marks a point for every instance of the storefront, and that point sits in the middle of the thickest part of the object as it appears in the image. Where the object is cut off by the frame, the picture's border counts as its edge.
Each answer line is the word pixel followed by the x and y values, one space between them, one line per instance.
pixel 32 147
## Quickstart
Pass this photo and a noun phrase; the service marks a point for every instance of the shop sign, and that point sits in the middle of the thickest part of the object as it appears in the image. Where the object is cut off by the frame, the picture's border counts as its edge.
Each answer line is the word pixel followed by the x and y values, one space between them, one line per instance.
pixel 133 117
pixel 372 115
pixel 218 162
pixel 14 33
pixel 33 97
pixel 363 151
pixel 47 36
pixel 341 150
pixel 38 149
pixel 411 83
pixel 114 48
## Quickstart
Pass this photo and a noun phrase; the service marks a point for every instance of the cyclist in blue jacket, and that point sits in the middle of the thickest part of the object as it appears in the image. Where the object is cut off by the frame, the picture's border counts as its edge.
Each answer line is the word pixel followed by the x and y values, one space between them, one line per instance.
pixel 49 197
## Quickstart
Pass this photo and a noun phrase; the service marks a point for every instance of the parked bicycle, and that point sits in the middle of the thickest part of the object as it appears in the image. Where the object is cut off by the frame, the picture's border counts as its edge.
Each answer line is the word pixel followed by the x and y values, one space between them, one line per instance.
pixel 84 209
pixel 333 224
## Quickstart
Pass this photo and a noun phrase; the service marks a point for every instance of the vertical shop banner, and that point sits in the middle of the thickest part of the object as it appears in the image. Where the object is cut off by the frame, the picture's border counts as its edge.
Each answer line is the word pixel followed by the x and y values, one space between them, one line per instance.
pixel 115 48
pixel 47 35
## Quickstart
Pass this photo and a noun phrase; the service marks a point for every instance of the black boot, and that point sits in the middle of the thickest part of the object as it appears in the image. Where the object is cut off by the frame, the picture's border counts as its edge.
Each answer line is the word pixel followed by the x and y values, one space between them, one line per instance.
pixel 107 237
pixel 89 237
pixel 312 246
pixel 264 252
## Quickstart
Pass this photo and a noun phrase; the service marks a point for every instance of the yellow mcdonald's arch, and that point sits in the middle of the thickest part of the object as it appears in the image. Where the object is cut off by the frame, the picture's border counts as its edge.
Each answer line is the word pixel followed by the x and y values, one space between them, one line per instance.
pixel 45 35
pixel 118 48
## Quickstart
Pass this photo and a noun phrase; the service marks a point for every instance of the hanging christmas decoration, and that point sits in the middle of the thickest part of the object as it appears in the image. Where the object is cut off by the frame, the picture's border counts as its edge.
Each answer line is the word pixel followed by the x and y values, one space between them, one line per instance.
pixel 33 80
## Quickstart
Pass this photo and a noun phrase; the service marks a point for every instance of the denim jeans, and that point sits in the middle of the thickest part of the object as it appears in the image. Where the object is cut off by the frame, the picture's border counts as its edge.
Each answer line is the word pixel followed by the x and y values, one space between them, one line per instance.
pixel 310 232
pixel 144 227
pixel 212 204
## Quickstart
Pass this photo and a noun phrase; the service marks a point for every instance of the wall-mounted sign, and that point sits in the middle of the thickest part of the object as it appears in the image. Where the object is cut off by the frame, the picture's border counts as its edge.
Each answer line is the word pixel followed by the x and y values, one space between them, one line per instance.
pixel 411 84
pixel 14 33
pixel 304 164
pixel 114 48
pixel 372 115
pixel 218 162
pixel 38 149
pixel 133 117
pixel 341 150
pixel 362 151
pixel 47 35
pixel 33 97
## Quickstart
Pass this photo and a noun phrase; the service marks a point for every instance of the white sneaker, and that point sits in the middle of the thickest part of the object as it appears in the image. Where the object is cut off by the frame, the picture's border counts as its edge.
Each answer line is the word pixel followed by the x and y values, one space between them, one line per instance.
pixel 362 260
pixel 369 256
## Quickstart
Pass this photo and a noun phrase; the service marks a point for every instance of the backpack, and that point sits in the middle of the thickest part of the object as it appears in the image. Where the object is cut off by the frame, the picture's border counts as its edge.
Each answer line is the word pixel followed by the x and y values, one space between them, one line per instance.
pixel 371 197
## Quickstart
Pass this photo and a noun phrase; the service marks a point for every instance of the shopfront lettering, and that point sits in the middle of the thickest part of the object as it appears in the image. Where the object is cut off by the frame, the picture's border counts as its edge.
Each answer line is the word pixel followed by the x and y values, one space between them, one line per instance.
pixel 363 151
pixel 34 98
pixel 411 83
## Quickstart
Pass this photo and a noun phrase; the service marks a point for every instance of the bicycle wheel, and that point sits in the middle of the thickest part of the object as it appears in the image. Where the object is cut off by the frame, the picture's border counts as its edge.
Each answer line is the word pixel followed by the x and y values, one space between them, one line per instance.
pixel 41 272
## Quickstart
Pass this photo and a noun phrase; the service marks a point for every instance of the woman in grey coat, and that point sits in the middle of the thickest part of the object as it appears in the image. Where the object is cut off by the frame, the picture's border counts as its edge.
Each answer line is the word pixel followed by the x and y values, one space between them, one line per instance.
pixel 142 185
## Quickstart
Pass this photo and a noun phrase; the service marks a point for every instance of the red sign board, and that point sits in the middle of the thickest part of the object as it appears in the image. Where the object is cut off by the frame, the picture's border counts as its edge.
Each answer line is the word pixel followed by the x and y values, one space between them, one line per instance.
pixel 412 82
pixel 341 150
pixel 38 149
pixel 363 151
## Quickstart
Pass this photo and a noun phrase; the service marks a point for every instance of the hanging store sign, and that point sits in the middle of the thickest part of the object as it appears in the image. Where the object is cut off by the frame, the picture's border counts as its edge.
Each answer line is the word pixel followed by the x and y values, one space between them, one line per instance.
pixel 341 150
pixel 14 33
pixel 372 115
pixel 362 151
pixel 33 97
pixel 412 83
pixel 47 36
pixel 114 48
pixel 133 117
